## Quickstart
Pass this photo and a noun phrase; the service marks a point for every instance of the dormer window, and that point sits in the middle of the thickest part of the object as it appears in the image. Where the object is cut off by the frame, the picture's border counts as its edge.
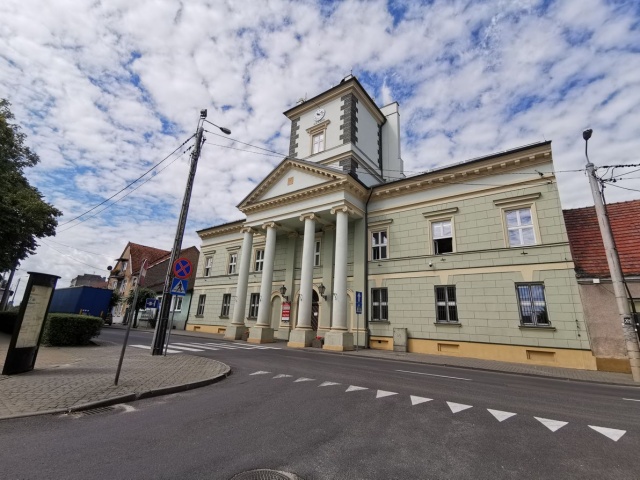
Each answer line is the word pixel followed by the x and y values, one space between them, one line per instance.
pixel 318 143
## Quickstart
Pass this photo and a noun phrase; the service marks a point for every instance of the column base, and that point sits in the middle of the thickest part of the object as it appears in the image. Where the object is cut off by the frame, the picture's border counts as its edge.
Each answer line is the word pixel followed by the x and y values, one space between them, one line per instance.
pixel 301 338
pixel 260 335
pixel 235 332
pixel 338 341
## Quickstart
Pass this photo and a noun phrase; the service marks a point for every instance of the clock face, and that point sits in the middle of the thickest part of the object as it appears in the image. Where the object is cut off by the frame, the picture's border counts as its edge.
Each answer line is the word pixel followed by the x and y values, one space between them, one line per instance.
pixel 319 115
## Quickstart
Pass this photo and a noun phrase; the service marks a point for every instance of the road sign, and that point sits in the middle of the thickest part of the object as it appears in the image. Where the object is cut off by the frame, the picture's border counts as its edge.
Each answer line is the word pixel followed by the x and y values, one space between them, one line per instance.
pixel 358 303
pixel 179 287
pixel 151 303
pixel 286 311
pixel 182 268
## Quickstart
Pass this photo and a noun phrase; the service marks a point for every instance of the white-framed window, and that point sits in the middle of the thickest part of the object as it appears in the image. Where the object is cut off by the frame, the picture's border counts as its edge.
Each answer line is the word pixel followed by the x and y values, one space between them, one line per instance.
pixel 226 305
pixel 316 253
pixel 202 299
pixel 520 228
pixel 379 245
pixel 533 306
pixel 208 266
pixel 233 261
pixel 123 287
pixel 254 303
pixel 124 266
pixel 379 305
pixel 446 304
pixel 176 304
pixel 258 263
pixel 442 237
pixel 317 142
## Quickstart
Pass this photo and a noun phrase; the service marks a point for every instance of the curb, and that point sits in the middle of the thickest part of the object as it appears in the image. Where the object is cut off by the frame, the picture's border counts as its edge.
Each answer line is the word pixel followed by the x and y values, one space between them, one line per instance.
pixel 129 397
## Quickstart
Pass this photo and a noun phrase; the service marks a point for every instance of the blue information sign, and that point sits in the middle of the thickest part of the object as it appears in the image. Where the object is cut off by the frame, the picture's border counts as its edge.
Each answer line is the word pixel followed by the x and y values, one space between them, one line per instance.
pixel 358 303
pixel 151 303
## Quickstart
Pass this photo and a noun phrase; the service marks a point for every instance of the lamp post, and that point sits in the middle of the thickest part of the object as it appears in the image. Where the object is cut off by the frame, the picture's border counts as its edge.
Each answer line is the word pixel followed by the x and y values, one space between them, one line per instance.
pixel 628 328
pixel 161 325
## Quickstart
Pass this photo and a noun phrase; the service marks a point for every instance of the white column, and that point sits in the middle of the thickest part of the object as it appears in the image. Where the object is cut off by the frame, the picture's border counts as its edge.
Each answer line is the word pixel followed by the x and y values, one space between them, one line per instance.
pixel 302 335
pixel 306 274
pixel 339 321
pixel 339 338
pixel 264 309
pixel 237 328
pixel 243 277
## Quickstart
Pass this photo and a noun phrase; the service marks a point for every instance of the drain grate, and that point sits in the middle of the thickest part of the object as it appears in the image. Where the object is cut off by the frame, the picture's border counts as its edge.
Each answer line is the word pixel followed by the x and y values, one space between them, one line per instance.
pixel 94 411
pixel 265 474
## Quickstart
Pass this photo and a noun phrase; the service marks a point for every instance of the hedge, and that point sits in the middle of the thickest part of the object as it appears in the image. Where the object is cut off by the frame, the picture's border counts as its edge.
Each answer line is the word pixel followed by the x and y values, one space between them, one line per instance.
pixel 7 321
pixel 64 329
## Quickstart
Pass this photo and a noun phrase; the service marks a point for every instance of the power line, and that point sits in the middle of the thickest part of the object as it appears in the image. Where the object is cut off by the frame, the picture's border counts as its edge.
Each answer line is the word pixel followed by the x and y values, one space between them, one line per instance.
pixel 619 166
pixel 127 186
pixel 129 192
pixel 244 150
pixel 72 258
pixel 76 248
pixel 244 143
pixel 623 188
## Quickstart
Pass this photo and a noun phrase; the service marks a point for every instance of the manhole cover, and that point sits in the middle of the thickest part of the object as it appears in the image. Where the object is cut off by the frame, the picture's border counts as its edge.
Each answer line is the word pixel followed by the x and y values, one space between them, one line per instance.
pixel 265 474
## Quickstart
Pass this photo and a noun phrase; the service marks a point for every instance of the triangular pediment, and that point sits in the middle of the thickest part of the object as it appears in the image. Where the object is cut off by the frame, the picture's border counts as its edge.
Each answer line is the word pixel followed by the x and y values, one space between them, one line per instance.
pixel 290 177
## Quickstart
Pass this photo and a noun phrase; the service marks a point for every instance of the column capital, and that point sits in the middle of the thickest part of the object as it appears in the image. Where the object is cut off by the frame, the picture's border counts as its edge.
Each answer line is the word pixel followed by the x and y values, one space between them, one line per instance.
pixel 341 208
pixel 269 225
pixel 308 216
pixel 247 230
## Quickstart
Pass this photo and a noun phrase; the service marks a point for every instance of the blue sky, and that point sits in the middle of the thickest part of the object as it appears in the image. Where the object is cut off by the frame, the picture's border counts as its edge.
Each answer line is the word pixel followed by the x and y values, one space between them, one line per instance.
pixel 106 89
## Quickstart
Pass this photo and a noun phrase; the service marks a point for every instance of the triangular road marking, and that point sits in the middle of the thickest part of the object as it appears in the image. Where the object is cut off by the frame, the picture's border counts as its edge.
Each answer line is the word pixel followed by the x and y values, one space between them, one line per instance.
pixel 383 393
pixel 328 384
pixel 552 425
pixel 500 415
pixel 416 400
pixel 259 372
pixel 612 433
pixel 353 388
pixel 283 375
pixel 458 407
pixel 304 379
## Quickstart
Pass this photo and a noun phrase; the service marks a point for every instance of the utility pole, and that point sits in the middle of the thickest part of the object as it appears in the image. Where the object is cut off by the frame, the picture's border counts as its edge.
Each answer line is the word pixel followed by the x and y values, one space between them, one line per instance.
pixel 159 335
pixel 628 328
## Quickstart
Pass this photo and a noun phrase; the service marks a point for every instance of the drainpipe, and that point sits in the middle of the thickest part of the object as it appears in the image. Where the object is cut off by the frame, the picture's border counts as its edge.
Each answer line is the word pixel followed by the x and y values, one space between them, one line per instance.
pixel 365 300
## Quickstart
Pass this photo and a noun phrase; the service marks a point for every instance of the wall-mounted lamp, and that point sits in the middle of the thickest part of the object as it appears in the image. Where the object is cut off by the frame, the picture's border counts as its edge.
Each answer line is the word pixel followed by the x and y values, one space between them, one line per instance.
pixel 321 290
pixel 283 291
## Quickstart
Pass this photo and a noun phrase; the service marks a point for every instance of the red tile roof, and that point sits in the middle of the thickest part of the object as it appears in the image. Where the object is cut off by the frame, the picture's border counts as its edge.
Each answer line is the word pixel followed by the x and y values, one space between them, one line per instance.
pixel 586 243
pixel 140 252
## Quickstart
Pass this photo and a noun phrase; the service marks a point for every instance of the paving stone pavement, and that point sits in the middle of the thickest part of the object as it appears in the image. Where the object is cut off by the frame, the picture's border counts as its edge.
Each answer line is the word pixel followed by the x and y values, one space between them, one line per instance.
pixel 70 378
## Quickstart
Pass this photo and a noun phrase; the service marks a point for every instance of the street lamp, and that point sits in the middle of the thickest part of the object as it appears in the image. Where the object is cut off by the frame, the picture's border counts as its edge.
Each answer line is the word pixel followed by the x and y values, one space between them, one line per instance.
pixel 283 291
pixel 161 326
pixel 321 290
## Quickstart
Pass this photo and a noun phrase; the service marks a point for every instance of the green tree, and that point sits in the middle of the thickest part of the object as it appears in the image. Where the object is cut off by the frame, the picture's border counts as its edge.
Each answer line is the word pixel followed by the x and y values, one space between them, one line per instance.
pixel 24 215
pixel 143 294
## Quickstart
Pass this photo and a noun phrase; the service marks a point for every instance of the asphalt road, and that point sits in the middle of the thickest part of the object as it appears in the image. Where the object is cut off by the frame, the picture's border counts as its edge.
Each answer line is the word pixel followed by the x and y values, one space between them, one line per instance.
pixel 411 421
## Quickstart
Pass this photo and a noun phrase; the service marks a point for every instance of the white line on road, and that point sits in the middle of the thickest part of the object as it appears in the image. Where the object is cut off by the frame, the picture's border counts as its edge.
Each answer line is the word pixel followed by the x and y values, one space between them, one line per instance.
pixel 632 399
pixel 433 375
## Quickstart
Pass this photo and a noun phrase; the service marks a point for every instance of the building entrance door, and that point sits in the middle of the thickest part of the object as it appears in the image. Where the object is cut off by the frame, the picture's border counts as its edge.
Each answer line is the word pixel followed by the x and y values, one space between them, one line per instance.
pixel 315 309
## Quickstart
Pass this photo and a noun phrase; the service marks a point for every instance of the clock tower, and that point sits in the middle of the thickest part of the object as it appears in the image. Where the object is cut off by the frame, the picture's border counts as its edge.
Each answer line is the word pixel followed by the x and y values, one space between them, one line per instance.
pixel 343 128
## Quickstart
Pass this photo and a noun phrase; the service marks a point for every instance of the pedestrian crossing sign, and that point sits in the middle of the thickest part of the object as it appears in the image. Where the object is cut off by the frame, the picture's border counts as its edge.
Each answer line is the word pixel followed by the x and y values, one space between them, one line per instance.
pixel 179 287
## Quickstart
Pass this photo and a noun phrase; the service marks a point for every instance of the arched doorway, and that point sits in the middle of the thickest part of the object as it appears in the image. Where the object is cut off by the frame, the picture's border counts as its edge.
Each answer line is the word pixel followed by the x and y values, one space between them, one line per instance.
pixel 315 311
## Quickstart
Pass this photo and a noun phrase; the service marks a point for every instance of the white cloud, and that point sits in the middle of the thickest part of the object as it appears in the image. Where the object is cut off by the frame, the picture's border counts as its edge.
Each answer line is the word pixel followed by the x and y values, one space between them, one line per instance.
pixel 106 89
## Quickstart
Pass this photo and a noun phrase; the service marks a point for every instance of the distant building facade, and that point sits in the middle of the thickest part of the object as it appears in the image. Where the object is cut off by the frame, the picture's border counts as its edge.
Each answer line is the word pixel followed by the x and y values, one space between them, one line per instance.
pixel 89 280
pixel 470 260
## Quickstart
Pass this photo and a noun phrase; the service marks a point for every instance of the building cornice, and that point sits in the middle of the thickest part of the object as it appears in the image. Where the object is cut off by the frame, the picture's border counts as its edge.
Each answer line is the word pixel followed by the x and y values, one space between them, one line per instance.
pixel 234 227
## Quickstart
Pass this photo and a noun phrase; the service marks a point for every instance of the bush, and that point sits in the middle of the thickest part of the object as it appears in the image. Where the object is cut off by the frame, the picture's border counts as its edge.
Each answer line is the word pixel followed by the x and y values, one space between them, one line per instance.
pixel 8 321
pixel 64 329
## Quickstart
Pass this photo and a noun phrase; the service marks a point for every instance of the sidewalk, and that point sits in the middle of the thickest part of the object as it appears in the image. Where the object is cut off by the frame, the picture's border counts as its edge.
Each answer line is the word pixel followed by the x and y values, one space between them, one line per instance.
pixel 76 378
pixel 464 362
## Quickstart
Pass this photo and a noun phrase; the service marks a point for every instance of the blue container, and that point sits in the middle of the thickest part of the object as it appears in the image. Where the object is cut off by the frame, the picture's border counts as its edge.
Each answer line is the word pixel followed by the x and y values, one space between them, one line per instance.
pixel 86 300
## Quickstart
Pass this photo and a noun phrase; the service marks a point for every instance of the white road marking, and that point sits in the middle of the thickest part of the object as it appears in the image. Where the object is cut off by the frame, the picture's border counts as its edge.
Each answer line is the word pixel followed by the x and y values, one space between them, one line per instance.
pixel 283 375
pixel 188 349
pixel 147 347
pixel 552 425
pixel 353 388
pixel 500 415
pixel 328 384
pixel 632 399
pixel 383 393
pixel 433 375
pixel 233 346
pixel 458 407
pixel 198 345
pixel 304 379
pixel 417 400
pixel 612 433
pixel 259 372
